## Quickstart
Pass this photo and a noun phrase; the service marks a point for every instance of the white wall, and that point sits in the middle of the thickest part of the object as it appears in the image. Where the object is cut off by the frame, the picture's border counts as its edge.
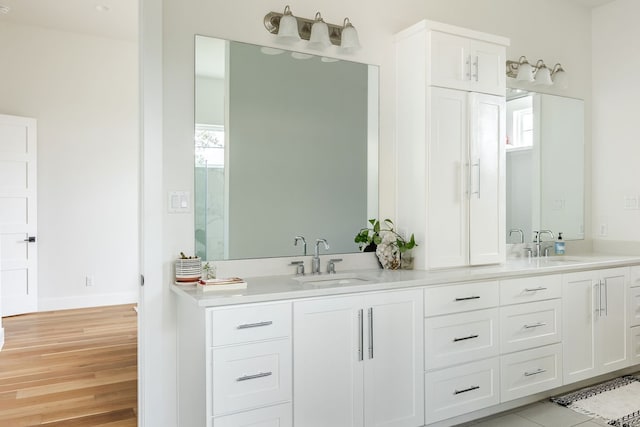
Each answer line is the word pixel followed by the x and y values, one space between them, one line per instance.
pixel 616 145
pixel 83 92
pixel 549 29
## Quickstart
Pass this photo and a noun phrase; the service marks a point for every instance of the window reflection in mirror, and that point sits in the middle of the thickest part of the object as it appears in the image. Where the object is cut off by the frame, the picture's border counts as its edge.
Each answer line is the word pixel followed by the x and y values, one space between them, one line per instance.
pixel 545 165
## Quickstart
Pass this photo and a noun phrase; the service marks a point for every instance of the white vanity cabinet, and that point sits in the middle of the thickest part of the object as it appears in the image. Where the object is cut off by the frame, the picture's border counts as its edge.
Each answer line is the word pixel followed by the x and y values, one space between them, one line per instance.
pixel 234 365
pixel 595 323
pixel 530 335
pixel 450 154
pixel 461 349
pixel 633 334
pixel 359 360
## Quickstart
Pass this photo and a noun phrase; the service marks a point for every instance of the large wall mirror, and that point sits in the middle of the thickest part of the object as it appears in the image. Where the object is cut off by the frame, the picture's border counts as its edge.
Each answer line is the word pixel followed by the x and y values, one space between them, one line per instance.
pixel 286 145
pixel 545 165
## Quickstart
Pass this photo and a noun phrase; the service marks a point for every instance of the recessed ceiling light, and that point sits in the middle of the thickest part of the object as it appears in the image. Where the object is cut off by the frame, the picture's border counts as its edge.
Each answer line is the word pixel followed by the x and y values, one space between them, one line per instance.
pixel 103 8
pixel 4 9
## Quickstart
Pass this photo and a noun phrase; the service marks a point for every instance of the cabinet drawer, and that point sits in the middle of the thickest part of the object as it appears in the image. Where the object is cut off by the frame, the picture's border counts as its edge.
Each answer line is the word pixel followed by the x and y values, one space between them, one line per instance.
pixel 237 325
pixel 461 389
pixel 514 291
pixel 531 371
pixel 251 375
pixel 460 338
pixel 634 279
pixel 273 416
pixel 634 307
pixel 457 298
pixel 530 325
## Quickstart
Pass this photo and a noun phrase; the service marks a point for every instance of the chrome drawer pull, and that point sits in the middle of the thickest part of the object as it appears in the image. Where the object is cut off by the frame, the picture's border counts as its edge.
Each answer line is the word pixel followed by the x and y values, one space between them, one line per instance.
pixel 255 325
pixel 539 288
pixel 475 387
pixel 254 376
pixel 536 372
pixel 470 337
pixel 467 298
pixel 535 325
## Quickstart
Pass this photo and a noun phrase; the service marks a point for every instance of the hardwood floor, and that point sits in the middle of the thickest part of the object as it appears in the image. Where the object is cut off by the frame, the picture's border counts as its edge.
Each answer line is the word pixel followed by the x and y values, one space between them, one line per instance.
pixel 70 368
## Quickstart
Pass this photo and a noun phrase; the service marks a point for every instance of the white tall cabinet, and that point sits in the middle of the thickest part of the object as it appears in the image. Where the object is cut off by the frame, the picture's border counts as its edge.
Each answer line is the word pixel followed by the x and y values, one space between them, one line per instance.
pixel 359 361
pixel 450 131
pixel 594 321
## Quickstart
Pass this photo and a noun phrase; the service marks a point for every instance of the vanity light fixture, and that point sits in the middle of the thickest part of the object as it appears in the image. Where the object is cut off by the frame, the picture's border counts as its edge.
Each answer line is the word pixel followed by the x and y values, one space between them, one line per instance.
pixel 321 35
pixel 538 74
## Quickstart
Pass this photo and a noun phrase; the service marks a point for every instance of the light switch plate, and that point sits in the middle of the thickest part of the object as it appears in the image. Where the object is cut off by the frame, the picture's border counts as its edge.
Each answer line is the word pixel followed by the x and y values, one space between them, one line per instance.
pixel 631 203
pixel 179 201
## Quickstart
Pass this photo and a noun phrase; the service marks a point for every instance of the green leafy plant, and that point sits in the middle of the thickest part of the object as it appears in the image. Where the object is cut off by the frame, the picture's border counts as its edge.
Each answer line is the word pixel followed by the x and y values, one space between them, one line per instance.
pixel 373 235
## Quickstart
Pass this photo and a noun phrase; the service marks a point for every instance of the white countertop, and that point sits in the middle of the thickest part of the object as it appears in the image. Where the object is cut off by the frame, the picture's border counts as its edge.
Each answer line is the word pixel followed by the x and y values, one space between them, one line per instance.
pixel 274 288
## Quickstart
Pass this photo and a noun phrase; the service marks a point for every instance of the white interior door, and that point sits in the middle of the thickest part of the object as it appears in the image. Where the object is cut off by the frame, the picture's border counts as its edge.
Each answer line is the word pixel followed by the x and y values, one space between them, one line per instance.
pixel 18 216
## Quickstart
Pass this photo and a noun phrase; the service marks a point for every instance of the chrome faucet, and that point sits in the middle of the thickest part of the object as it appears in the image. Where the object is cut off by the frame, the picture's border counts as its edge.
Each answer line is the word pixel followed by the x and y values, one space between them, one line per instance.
pixel 304 243
pixel 517 230
pixel 537 240
pixel 550 233
pixel 315 262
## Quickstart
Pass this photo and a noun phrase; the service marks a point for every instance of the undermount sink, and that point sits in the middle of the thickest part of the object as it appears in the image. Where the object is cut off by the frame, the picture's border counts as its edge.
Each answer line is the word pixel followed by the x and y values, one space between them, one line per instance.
pixel 335 279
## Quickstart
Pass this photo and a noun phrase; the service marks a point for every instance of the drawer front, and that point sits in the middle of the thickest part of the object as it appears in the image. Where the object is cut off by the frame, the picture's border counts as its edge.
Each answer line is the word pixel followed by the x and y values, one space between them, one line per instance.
pixel 258 322
pixel 251 375
pixel 460 338
pixel 528 289
pixel 461 389
pixel 458 298
pixel 634 307
pixel 531 371
pixel 530 325
pixel 273 416
pixel 634 279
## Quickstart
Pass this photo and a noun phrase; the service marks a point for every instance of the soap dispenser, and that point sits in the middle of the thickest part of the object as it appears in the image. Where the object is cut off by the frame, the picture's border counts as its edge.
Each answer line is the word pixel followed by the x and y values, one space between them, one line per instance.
pixel 559 246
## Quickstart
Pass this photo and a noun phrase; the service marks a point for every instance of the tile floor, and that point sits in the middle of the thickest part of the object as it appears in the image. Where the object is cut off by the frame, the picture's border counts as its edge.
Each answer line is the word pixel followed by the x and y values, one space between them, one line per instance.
pixel 544 413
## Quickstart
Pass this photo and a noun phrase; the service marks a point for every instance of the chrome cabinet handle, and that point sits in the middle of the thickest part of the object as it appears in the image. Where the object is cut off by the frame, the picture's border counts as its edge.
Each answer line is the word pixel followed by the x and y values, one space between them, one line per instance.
pixel 606 297
pixel 536 372
pixel 535 325
pixel 473 165
pixel 470 337
pixel 360 335
pixel 475 387
pixel 370 332
pixel 467 298
pixel 539 288
pixel 468 63
pixel 254 376
pixel 476 64
pixel 255 325
pixel 600 310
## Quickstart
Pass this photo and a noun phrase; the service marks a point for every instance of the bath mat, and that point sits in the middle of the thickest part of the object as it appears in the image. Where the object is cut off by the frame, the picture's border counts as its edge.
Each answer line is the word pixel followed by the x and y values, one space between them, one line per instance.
pixel 617 401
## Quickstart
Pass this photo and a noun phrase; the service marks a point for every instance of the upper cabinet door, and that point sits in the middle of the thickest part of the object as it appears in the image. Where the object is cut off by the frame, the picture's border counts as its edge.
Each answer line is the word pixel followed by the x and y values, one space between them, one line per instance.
pixel 450 64
pixel 467 64
pixel 488 74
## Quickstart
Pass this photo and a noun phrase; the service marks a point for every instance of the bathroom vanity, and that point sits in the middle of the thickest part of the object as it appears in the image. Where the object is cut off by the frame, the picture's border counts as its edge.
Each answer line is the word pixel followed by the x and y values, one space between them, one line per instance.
pixel 402 348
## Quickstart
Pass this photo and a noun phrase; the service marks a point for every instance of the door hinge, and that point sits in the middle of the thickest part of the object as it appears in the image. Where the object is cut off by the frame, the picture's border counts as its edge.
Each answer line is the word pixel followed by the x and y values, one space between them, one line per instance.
pixel 142 280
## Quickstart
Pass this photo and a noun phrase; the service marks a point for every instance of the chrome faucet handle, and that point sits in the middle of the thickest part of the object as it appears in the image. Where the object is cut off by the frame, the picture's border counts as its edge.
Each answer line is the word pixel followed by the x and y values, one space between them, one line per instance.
pixel 304 243
pixel 528 252
pixel 546 250
pixel 331 265
pixel 299 267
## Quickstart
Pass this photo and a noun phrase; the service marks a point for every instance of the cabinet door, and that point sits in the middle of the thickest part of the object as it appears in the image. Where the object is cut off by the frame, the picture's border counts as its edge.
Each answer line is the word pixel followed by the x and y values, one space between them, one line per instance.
pixel 611 347
pixel 450 64
pixel 394 370
pixel 487 68
pixel 487 179
pixel 578 327
pixel 327 371
pixel 447 205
